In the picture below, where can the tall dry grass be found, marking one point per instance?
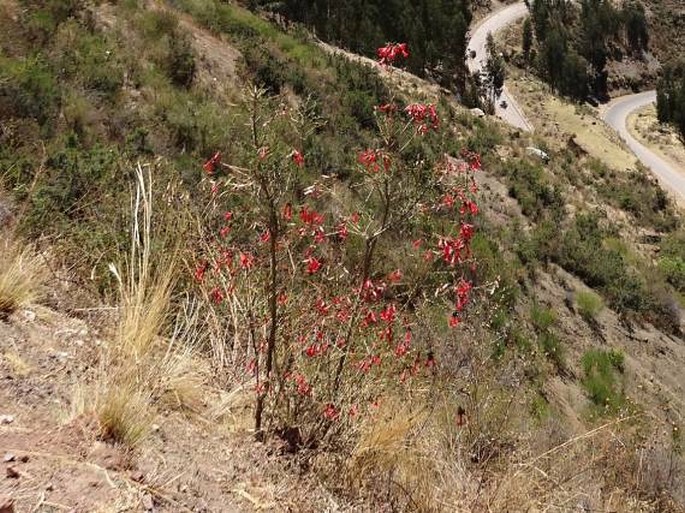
(413, 456)
(22, 273)
(151, 360)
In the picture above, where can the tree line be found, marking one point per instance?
(569, 43)
(670, 96)
(435, 30)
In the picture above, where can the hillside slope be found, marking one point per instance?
(132, 387)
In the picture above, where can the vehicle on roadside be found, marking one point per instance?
(531, 150)
(503, 104)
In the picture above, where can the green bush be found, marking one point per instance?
(601, 380)
(640, 196)
(673, 268)
(542, 318)
(589, 304)
(672, 260)
(89, 60)
(28, 89)
(530, 187)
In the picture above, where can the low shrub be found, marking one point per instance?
(601, 381)
(589, 304)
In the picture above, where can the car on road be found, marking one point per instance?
(542, 155)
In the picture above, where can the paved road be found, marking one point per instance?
(616, 115)
(494, 22)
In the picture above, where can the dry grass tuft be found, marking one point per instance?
(141, 368)
(22, 275)
(408, 451)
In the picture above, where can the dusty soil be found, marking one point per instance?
(54, 461)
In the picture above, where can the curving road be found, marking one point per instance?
(616, 113)
(499, 19)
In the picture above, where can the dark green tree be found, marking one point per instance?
(495, 69)
(670, 99)
(636, 30)
(527, 38)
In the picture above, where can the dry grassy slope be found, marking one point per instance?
(203, 463)
(660, 138)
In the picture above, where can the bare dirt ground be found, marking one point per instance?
(53, 460)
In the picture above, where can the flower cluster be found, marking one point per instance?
(372, 160)
(424, 116)
(390, 52)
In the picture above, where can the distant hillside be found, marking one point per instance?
(666, 28)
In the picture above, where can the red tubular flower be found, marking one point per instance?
(454, 320)
(330, 412)
(303, 388)
(369, 318)
(224, 231)
(472, 158)
(321, 307)
(313, 265)
(200, 271)
(424, 116)
(368, 159)
(287, 212)
(319, 235)
(466, 232)
(463, 290)
(311, 217)
(343, 232)
(389, 313)
(387, 108)
(246, 261)
(469, 206)
(386, 334)
(298, 158)
(401, 349)
(228, 215)
(216, 295)
(212, 163)
(395, 276)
